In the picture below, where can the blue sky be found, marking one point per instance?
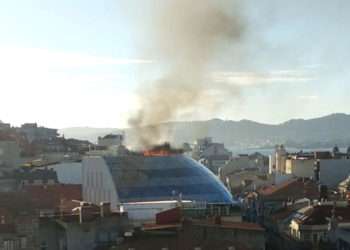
(79, 63)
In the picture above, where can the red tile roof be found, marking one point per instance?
(318, 215)
(15, 202)
(73, 217)
(52, 196)
(231, 225)
(224, 244)
(7, 229)
(282, 214)
(148, 227)
(293, 189)
(242, 225)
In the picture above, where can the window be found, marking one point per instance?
(103, 237)
(43, 245)
(234, 233)
(23, 242)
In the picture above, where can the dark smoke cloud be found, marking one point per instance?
(187, 38)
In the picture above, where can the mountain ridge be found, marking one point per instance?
(326, 130)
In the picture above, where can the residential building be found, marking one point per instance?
(20, 212)
(344, 188)
(331, 167)
(300, 166)
(88, 227)
(9, 155)
(34, 177)
(200, 145)
(180, 232)
(342, 240)
(17, 179)
(245, 161)
(215, 161)
(4, 126)
(247, 180)
(33, 132)
(79, 146)
(274, 197)
(48, 145)
(212, 155)
(314, 224)
(278, 160)
(110, 140)
(53, 199)
(18, 222)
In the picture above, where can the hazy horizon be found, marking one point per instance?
(172, 121)
(199, 120)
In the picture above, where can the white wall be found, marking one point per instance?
(300, 167)
(272, 164)
(146, 212)
(332, 171)
(97, 182)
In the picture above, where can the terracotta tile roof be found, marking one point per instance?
(74, 217)
(269, 190)
(231, 225)
(52, 196)
(4, 212)
(148, 227)
(293, 189)
(7, 229)
(242, 225)
(282, 214)
(16, 202)
(317, 215)
(224, 244)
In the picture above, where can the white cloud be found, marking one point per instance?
(259, 78)
(309, 97)
(37, 58)
(62, 89)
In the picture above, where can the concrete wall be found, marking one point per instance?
(50, 235)
(216, 149)
(9, 154)
(252, 239)
(113, 141)
(60, 235)
(300, 167)
(192, 237)
(37, 133)
(333, 171)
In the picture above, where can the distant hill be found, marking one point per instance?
(86, 133)
(319, 132)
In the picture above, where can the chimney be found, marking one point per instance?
(85, 212)
(105, 209)
(217, 220)
(317, 167)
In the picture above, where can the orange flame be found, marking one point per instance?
(157, 153)
(162, 150)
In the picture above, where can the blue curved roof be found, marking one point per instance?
(157, 178)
